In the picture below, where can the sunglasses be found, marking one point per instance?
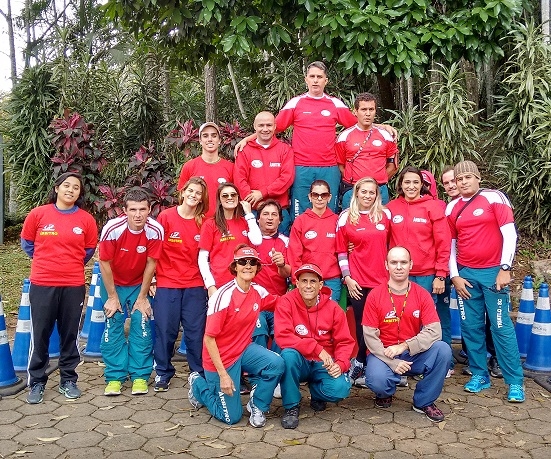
(228, 195)
(320, 195)
(247, 261)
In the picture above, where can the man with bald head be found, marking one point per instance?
(265, 168)
(403, 335)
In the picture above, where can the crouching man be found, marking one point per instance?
(313, 332)
(403, 335)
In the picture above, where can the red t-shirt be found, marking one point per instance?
(221, 246)
(128, 251)
(394, 325)
(367, 261)
(477, 230)
(213, 174)
(177, 267)
(314, 121)
(269, 276)
(60, 243)
(364, 154)
(231, 318)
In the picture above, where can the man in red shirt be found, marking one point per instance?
(129, 248)
(317, 345)
(365, 150)
(266, 168)
(403, 335)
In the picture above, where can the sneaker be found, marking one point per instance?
(192, 399)
(494, 368)
(360, 382)
(450, 373)
(290, 418)
(139, 387)
(477, 383)
(257, 417)
(403, 382)
(161, 386)
(432, 412)
(277, 391)
(516, 393)
(356, 370)
(113, 388)
(244, 387)
(318, 405)
(36, 394)
(462, 357)
(70, 389)
(383, 402)
(466, 371)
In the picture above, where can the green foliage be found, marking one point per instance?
(31, 107)
(522, 127)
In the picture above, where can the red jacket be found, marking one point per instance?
(421, 227)
(310, 330)
(313, 240)
(270, 170)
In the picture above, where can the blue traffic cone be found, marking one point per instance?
(22, 340)
(539, 357)
(182, 350)
(53, 348)
(7, 372)
(454, 313)
(525, 316)
(94, 290)
(97, 326)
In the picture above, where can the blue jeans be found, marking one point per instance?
(265, 369)
(432, 364)
(322, 385)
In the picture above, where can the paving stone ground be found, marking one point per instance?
(164, 425)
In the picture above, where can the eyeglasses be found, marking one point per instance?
(247, 261)
(320, 195)
(228, 195)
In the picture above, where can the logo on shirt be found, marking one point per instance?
(323, 332)
(380, 227)
(258, 324)
(197, 237)
(244, 233)
(141, 249)
(221, 180)
(78, 230)
(419, 220)
(275, 164)
(50, 227)
(330, 235)
(416, 313)
(377, 143)
(478, 212)
(325, 113)
(301, 330)
(48, 230)
(257, 164)
(390, 315)
(311, 234)
(174, 234)
(255, 307)
(397, 219)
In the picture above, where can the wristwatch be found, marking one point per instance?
(441, 278)
(505, 267)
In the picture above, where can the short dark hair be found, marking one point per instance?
(52, 197)
(320, 182)
(364, 97)
(317, 64)
(136, 194)
(270, 202)
(446, 169)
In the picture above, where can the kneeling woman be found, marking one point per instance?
(227, 347)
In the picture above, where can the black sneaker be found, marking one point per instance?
(432, 412)
(70, 389)
(318, 405)
(36, 394)
(161, 386)
(494, 369)
(466, 371)
(290, 418)
(383, 402)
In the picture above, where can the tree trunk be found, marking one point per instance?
(210, 92)
(27, 21)
(410, 92)
(402, 97)
(385, 92)
(471, 84)
(11, 41)
(236, 90)
(489, 87)
(545, 18)
(167, 100)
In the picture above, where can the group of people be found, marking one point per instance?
(252, 263)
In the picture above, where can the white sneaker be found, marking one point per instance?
(356, 370)
(360, 382)
(192, 399)
(277, 391)
(450, 373)
(257, 417)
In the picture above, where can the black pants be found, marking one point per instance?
(49, 304)
(358, 307)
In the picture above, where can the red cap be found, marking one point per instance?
(245, 252)
(309, 268)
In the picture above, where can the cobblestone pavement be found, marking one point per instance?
(163, 425)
